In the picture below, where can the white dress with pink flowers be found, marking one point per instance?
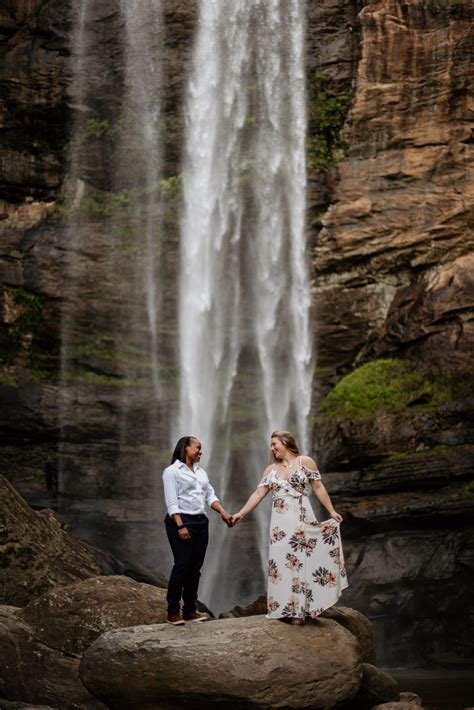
(306, 572)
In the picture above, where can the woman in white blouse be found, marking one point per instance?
(187, 492)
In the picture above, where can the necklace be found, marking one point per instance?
(287, 465)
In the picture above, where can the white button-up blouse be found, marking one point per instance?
(185, 491)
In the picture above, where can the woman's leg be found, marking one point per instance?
(200, 537)
(182, 554)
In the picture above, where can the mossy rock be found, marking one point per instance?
(388, 385)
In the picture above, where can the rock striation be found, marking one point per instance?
(392, 260)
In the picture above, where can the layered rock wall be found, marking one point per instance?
(393, 269)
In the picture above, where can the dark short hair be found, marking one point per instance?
(179, 452)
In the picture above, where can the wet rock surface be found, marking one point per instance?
(249, 662)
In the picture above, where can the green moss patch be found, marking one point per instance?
(386, 385)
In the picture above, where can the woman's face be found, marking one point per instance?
(278, 448)
(193, 450)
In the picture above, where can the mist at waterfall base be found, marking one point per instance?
(187, 298)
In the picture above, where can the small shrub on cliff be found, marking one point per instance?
(327, 112)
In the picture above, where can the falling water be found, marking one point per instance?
(246, 351)
(141, 117)
(111, 384)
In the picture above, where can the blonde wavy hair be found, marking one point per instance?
(288, 440)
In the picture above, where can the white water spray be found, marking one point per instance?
(246, 346)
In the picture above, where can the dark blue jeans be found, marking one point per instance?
(188, 560)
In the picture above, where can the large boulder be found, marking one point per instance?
(32, 672)
(352, 620)
(246, 662)
(41, 645)
(36, 551)
(70, 618)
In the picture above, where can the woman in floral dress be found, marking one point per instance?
(306, 572)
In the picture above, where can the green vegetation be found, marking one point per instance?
(38, 375)
(28, 320)
(385, 385)
(440, 451)
(31, 316)
(92, 378)
(121, 205)
(101, 350)
(6, 378)
(169, 128)
(463, 487)
(96, 127)
(171, 194)
(327, 112)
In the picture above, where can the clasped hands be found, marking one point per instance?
(231, 520)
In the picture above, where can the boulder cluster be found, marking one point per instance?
(73, 639)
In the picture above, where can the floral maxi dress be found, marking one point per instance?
(306, 572)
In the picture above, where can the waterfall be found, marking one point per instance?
(112, 403)
(244, 293)
(141, 119)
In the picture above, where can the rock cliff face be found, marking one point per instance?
(390, 227)
(394, 293)
(393, 260)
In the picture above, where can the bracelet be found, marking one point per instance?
(180, 527)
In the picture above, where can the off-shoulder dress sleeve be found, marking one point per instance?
(265, 481)
(313, 475)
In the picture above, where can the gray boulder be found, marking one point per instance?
(244, 662)
(376, 687)
(41, 645)
(71, 618)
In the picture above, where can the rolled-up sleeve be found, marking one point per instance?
(171, 494)
(210, 494)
